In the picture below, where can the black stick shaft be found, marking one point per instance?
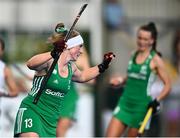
(46, 78)
(75, 21)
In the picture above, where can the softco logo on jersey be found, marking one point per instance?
(51, 92)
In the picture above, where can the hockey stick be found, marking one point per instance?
(46, 78)
(145, 121)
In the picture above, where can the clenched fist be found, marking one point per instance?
(106, 61)
(59, 47)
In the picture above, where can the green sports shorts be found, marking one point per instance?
(129, 113)
(27, 120)
(133, 120)
(69, 110)
(69, 104)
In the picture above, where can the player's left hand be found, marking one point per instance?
(155, 105)
(108, 58)
(106, 61)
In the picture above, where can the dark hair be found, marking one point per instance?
(2, 43)
(175, 51)
(151, 27)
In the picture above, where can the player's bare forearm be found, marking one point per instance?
(167, 86)
(86, 75)
(162, 73)
(11, 83)
(38, 60)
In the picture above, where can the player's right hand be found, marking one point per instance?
(106, 61)
(59, 47)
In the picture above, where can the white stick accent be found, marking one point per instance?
(75, 41)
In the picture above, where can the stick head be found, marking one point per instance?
(82, 9)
